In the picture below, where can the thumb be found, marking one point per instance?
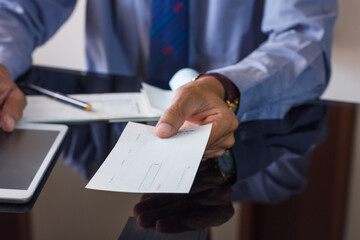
(172, 119)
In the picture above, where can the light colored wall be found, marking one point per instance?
(345, 86)
(345, 83)
(66, 48)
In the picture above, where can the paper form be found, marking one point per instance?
(159, 98)
(147, 105)
(105, 106)
(141, 162)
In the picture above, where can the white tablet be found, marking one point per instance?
(25, 155)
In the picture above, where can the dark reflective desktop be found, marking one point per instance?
(292, 177)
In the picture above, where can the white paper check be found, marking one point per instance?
(141, 162)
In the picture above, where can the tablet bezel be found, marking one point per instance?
(22, 195)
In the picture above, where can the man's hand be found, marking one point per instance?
(201, 102)
(12, 101)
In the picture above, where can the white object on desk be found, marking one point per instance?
(25, 155)
(147, 105)
(117, 107)
(159, 99)
(141, 162)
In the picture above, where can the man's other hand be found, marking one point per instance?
(12, 101)
(199, 103)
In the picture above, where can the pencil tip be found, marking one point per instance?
(88, 107)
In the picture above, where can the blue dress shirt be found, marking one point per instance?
(277, 52)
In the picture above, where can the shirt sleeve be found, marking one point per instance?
(293, 65)
(26, 24)
(272, 157)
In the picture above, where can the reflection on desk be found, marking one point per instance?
(272, 159)
(271, 156)
(208, 204)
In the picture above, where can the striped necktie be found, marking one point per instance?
(168, 40)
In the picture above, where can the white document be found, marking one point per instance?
(159, 99)
(141, 162)
(147, 105)
(105, 106)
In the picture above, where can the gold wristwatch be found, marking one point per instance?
(232, 93)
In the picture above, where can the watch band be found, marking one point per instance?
(232, 93)
(227, 166)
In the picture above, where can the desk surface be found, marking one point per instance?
(298, 165)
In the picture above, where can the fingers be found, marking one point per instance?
(209, 208)
(198, 219)
(170, 122)
(222, 134)
(12, 102)
(218, 148)
(150, 202)
(184, 105)
(201, 103)
(224, 122)
(12, 109)
(208, 204)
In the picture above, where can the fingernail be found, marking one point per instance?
(10, 122)
(164, 128)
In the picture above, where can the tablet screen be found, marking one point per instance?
(21, 154)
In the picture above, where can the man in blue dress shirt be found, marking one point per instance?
(272, 51)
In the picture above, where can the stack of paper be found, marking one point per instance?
(147, 105)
